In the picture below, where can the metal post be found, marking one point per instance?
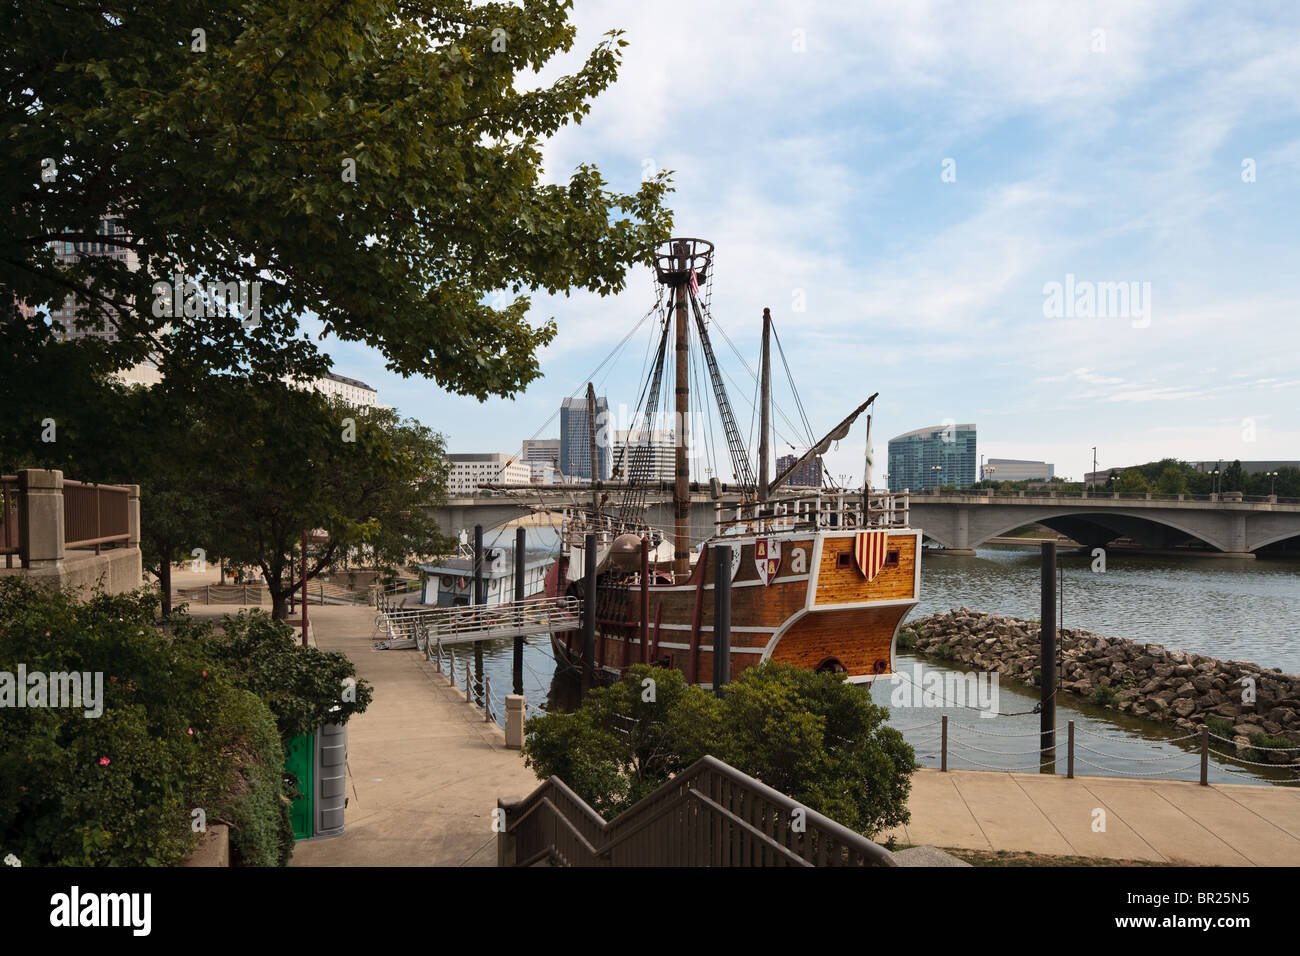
(1205, 756)
(1047, 655)
(304, 587)
(480, 598)
(943, 746)
(589, 610)
(721, 618)
(520, 544)
(645, 600)
(1069, 760)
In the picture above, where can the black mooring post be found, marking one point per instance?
(588, 611)
(520, 543)
(480, 597)
(721, 618)
(1047, 663)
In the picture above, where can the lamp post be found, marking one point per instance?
(1094, 468)
(1214, 482)
(1272, 482)
(938, 477)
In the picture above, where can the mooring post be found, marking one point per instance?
(588, 611)
(943, 746)
(721, 618)
(1047, 663)
(480, 598)
(521, 537)
(1205, 756)
(1069, 760)
(645, 600)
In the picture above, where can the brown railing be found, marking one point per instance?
(94, 515)
(710, 814)
(9, 518)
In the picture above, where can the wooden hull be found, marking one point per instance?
(818, 611)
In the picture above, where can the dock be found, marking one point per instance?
(425, 768)
(1165, 821)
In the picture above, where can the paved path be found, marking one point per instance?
(425, 768)
(1166, 821)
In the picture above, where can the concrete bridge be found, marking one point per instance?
(961, 522)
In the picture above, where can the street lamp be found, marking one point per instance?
(1094, 468)
(1272, 482)
(1214, 481)
(938, 478)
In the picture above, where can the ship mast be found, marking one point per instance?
(682, 486)
(765, 425)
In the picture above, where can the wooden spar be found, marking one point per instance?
(594, 472)
(835, 434)
(645, 600)
(694, 676)
(682, 484)
(765, 415)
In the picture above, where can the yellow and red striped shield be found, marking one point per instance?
(869, 551)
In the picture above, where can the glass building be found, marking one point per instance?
(575, 440)
(931, 457)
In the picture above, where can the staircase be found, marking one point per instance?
(710, 814)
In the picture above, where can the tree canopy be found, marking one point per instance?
(812, 736)
(377, 164)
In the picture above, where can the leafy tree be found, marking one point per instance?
(817, 739)
(1131, 481)
(1233, 478)
(1172, 481)
(376, 164)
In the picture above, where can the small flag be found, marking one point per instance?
(695, 286)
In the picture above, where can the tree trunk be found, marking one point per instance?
(279, 605)
(165, 584)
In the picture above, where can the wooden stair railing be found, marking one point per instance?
(710, 814)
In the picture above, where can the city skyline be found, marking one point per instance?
(1133, 164)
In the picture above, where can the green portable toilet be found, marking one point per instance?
(299, 760)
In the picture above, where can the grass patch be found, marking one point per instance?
(1019, 858)
(1103, 695)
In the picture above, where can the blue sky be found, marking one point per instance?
(808, 142)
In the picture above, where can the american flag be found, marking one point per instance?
(695, 286)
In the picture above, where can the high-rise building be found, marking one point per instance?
(933, 456)
(64, 318)
(659, 459)
(807, 475)
(575, 440)
(469, 471)
(542, 456)
(1017, 469)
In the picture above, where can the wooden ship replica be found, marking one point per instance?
(819, 579)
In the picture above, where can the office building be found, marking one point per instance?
(654, 460)
(807, 475)
(542, 456)
(933, 456)
(1017, 469)
(469, 471)
(575, 440)
(64, 318)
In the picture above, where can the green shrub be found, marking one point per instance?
(816, 738)
(906, 640)
(944, 652)
(1221, 726)
(1104, 695)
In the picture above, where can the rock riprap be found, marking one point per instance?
(1145, 680)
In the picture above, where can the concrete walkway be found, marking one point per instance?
(425, 768)
(1162, 821)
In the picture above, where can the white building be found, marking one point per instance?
(469, 471)
(351, 390)
(661, 460)
(543, 459)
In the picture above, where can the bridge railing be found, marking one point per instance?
(1221, 498)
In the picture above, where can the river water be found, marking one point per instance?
(1229, 609)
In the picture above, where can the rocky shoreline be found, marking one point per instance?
(1144, 680)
